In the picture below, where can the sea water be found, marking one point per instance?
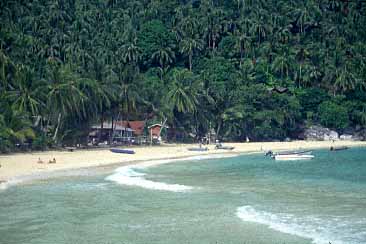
(243, 199)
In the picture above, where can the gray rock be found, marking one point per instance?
(360, 135)
(319, 133)
(346, 137)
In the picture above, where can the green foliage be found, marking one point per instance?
(333, 115)
(41, 142)
(182, 95)
(152, 37)
(65, 65)
(310, 99)
(227, 47)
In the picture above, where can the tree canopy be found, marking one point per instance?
(201, 64)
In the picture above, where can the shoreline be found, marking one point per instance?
(23, 167)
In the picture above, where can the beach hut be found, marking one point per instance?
(120, 131)
(155, 132)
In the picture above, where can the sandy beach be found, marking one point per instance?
(18, 165)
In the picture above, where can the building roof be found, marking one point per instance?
(136, 126)
(108, 125)
(157, 125)
(116, 125)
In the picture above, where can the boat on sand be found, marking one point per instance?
(220, 146)
(120, 150)
(198, 149)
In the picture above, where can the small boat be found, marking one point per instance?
(272, 154)
(287, 157)
(198, 149)
(220, 146)
(291, 155)
(339, 148)
(295, 152)
(119, 150)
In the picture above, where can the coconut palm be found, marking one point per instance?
(164, 56)
(183, 93)
(130, 53)
(189, 46)
(27, 95)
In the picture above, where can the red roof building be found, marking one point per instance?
(155, 130)
(136, 126)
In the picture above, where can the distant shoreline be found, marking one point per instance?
(24, 165)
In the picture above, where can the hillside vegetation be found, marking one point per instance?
(65, 64)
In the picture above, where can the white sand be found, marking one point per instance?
(25, 164)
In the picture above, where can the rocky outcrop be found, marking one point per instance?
(319, 133)
(360, 135)
(346, 137)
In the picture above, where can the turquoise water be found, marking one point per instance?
(244, 199)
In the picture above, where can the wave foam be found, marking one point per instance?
(319, 230)
(5, 185)
(128, 176)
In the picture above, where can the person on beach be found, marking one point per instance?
(40, 161)
(53, 161)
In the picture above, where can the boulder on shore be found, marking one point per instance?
(360, 135)
(346, 137)
(319, 133)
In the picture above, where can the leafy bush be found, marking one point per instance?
(333, 115)
(41, 143)
(310, 99)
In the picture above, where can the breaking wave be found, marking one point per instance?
(5, 185)
(128, 176)
(318, 229)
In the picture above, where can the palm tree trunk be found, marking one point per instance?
(101, 127)
(241, 55)
(218, 129)
(58, 127)
(110, 139)
(300, 76)
(190, 62)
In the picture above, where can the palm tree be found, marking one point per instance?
(130, 53)
(301, 56)
(344, 80)
(64, 94)
(28, 95)
(183, 94)
(164, 56)
(282, 64)
(7, 70)
(243, 43)
(189, 46)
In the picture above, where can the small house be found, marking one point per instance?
(118, 132)
(155, 132)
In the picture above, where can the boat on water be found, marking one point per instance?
(338, 148)
(290, 157)
(120, 150)
(272, 154)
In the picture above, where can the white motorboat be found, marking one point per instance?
(287, 157)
